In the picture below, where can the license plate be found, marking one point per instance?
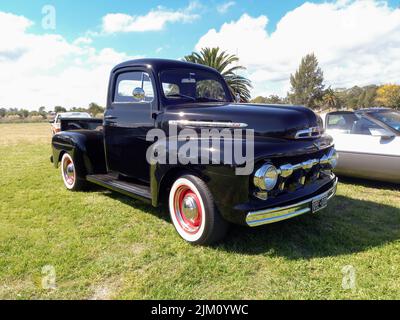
(319, 203)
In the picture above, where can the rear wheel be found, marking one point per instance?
(69, 172)
(193, 211)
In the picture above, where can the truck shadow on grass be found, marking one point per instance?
(347, 226)
(370, 183)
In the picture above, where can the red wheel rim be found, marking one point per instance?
(69, 171)
(187, 209)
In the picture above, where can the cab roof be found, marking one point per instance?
(162, 64)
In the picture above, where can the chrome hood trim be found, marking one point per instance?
(212, 124)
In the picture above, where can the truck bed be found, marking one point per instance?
(68, 124)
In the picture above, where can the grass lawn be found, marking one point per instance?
(106, 246)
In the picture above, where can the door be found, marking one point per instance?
(126, 123)
(365, 149)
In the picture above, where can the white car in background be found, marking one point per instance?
(56, 123)
(368, 142)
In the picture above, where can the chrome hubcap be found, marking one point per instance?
(69, 171)
(189, 208)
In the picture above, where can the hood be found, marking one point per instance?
(279, 121)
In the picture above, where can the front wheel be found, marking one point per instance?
(69, 173)
(193, 211)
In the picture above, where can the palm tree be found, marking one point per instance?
(330, 99)
(222, 62)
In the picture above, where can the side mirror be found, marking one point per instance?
(138, 94)
(383, 133)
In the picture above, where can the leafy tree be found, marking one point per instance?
(307, 83)
(2, 112)
(226, 64)
(59, 109)
(80, 109)
(388, 95)
(42, 111)
(24, 113)
(272, 99)
(95, 109)
(367, 97)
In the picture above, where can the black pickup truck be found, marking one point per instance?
(291, 158)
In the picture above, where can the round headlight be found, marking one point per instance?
(266, 177)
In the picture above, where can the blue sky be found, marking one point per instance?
(76, 17)
(89, 37)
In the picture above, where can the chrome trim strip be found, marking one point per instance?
(208, 124)
(309, 133)
(287, 169)
(266, 216)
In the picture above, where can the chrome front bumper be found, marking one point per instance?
(266, 216)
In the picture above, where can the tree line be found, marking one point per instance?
(307, 85)
(41, 114)
(307, 88)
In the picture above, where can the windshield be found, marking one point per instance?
(191, 85)
(391, 118)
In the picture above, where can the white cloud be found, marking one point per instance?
(356, 42)
(224, 7)
(48, 70)
(155, 20)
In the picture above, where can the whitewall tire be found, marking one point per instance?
(193, 212)
(70, 175)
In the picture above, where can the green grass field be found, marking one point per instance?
(106, 246)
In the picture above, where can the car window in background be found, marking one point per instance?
(364, 126)
(391, 118)
(67, 115)
(342, 122)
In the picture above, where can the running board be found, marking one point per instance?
(127, 188)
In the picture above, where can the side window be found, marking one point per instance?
(129, 81)
(341, 122)
(335, 121)
(364, 126)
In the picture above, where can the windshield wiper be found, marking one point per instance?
(181, 96)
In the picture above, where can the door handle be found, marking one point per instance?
(110, 117)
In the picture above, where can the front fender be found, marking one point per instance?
(226, 186)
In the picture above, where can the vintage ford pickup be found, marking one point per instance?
(292, 157)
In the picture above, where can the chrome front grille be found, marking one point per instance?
(296, 172)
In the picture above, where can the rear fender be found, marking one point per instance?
(85, 147)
